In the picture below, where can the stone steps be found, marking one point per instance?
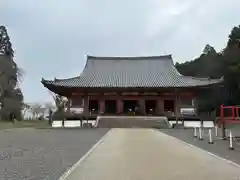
(133, 122)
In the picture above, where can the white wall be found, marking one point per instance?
(206, 124)
(70, 123)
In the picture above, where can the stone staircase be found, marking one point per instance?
(133, 122)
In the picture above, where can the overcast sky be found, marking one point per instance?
(52, 37)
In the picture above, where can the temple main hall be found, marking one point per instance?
(131, 85)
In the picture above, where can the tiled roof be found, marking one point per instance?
(123, 72)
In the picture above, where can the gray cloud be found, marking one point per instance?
(52, 37)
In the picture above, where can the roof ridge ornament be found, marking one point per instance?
(160, 57)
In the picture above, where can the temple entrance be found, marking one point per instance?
(169, 105)
(129, 106)
(93, 106)
(150, 106)
(110, 107)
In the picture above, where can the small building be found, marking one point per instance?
(126, 85)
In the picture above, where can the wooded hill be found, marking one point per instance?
(216, 65)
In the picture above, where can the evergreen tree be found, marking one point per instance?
(11, 97)
(215, 65)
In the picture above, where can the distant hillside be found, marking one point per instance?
(216, 65)
(208, 64)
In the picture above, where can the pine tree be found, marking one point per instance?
(11, 97)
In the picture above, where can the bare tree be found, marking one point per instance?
(50, 108)
(61, 104)
(25, 107)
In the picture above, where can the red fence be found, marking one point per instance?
(233, 118)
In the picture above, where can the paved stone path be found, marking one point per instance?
(144, 154)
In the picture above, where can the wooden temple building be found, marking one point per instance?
(121, 85)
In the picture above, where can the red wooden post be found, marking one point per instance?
(233, 114)
(237, 111)
(221, 113)
(102, 106)
(119, 106)
(222, 121)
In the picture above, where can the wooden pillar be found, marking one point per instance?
(160, 106)
(195, 105)
(102, 106)
(119, 106)
(142, 106)
(86, 106)
(177, 106)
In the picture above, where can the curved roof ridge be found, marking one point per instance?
(160, 57)
(58, 80)
(158, 72)
(204, 78)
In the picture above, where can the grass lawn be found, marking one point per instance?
(24, 124)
